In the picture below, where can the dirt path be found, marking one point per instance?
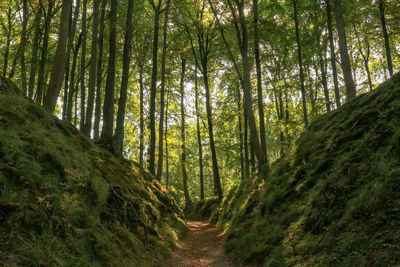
(201, 246)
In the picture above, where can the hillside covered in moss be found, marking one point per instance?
(334, 200)
(65, 201)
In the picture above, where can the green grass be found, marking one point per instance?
(67, 202)
(333, 200)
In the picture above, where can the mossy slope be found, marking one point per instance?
(67, 202)
(334, 200)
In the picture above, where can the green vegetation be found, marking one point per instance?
(333, 200)
(202, 209)
(65, 201)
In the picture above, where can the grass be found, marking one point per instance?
(67, 202)
(333, 200)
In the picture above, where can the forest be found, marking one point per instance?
(249, 113)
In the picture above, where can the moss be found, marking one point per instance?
(333, 199)
(67, 202)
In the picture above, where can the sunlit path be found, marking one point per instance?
(201, 246)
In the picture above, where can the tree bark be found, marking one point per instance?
(162, 93)
(119, 130)
(141, 114)
(344, 54)
(97, 113)
(58, 71)
(35, 49)
(261, 117)
(303, 91)
(196, 88)
(92, 70)
(153, 88)
(72, 80)
(183, 126)
(108, 107)
(23, 45)
(42, 64)
(8, 41)
(83, 69)
(333, 54)
(386, 36)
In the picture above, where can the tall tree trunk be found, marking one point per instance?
(344, 54)
(23, 44)
(57, 73)
(72, 80)
(92, 70)
(42, 64)
(259, 79)
(141, 114)
(217, 180)
(162, 93)
(244, 50)
(183, 126)
(119, 130)
(83, 68)
(333, 54)
(196, 88)
(97, 113)
(246, 147)
(303, 91)
(324, 79)
(71, 36)
(386, 36)
(35, 49)
(153, 88)
(8, 40)
(240, 128)
(166, 145)
(108, 107)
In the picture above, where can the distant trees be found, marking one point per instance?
(256, 73)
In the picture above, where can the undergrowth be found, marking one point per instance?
(333, 200)
(67, 202)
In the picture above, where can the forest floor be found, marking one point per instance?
(201, 246)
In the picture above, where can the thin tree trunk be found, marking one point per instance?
(246, 148)
(183, 126)
(141, 114)
(57, 73)
(386, 36)
(23, 45)
(108, 107)
(333, 54)
(166, 145)
(153, 88)
(240, 128)
(92, 70)
(259, 79)
(119, 130)
(72, 79)
(8, 41)
(97, 113)
(217, 181)
(303, 91)
(196, 88)
(83, 69)
(35, 49)
(324, 80)
(162, 93)
(344, 54)
(42, 65)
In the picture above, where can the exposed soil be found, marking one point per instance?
(201, 246)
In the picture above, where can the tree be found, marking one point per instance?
(92, 70)
(153, 87)
(83, 68)
(385, 36)
(162, 93)
(183, 127)
(58, 71)
(344, 54)
(119, 130)
(108, 107)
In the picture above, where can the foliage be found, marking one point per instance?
(332, 200)
(65, 201)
